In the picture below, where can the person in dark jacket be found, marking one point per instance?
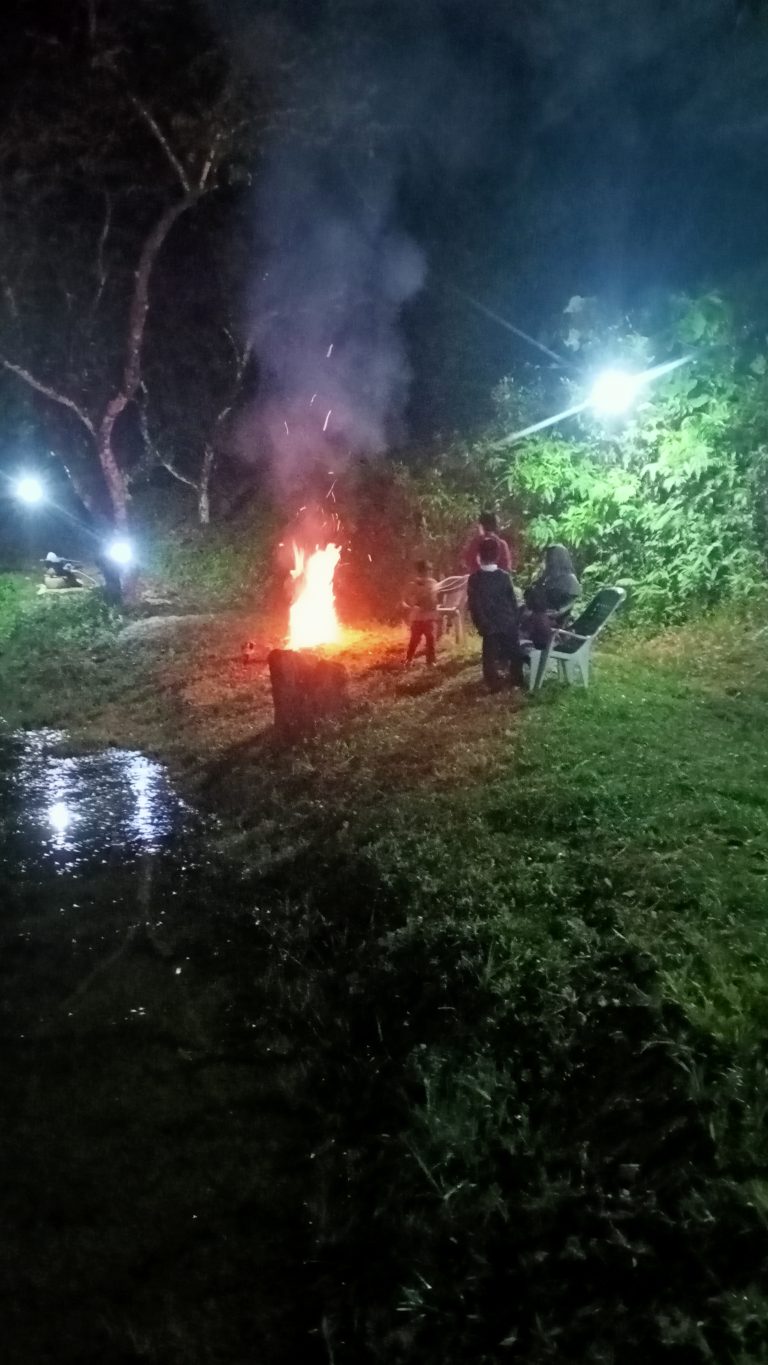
(557, 586)
(495, 613)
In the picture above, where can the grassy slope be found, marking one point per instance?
(513, 956)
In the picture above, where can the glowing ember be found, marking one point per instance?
(313, 620)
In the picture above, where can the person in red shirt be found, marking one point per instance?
(487, 529)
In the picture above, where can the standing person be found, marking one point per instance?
(495, 613)
(422, 610)
(487, 528)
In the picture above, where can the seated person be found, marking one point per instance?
(557, 586)
(495, 613)
(59, 573)
(550, 596)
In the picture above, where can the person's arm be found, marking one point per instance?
(472, 602)
(509, 593)
(469, 554)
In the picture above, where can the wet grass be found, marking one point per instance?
(469, 1059)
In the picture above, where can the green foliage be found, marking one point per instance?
(17, 593)
(670, 503)
(216, 566)
(394, 514)
(48, 625)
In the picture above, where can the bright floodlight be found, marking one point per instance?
(614, 391)
(120, 551)
(29, 489)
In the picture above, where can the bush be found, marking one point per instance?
(17, 594)
(216, 566)
(395, 514)
(671, 503)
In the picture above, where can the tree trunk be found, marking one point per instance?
(204, 489)
(114, 478)
(305, 690)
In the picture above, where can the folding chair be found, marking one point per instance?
(451, 602)
(570, 649)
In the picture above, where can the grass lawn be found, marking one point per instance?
(511, 957)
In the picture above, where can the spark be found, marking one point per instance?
(327, 419)
(329, 352)
(287, 432)
(330, 493)
(312, 399)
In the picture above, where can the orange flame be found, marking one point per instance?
(313, 620)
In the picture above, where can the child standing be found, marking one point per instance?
(423, 614)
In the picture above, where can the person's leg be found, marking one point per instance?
(514, 656)
(491, 661)
(429, 640)
(413, 643)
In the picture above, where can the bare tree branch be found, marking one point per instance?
(140, 299)
(151, 450)
(92, 22)
(148, 117)
(56, 397)
(101, 269)
(209, 162)
(177, 474)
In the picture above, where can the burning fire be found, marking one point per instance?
(313, 620)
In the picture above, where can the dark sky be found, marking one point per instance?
(625, 156)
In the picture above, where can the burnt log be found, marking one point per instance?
(305, 690)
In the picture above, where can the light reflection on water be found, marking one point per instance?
(65, 809)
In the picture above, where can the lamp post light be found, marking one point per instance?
(614, 392)
(121, 552)
(29, 489)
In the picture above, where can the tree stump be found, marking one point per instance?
(305, 690)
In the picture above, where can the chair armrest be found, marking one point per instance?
(569, 635)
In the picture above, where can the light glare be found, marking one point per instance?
(120, 551)
(59, 816)
(29, 489)
(614, 391)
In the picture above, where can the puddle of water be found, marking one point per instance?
(128, 1077)
(61, 813)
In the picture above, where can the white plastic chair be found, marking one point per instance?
(451, 602)
(570, 650)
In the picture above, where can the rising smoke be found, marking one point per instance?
(335, 274)
(372, 91)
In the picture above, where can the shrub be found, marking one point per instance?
(671, 503)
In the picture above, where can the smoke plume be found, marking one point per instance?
(335, 273)
(376, 95)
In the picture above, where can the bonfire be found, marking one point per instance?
(313, 620)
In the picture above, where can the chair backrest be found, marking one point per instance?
(452, 592)
(597, 612)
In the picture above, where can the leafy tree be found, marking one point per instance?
(671, 502)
